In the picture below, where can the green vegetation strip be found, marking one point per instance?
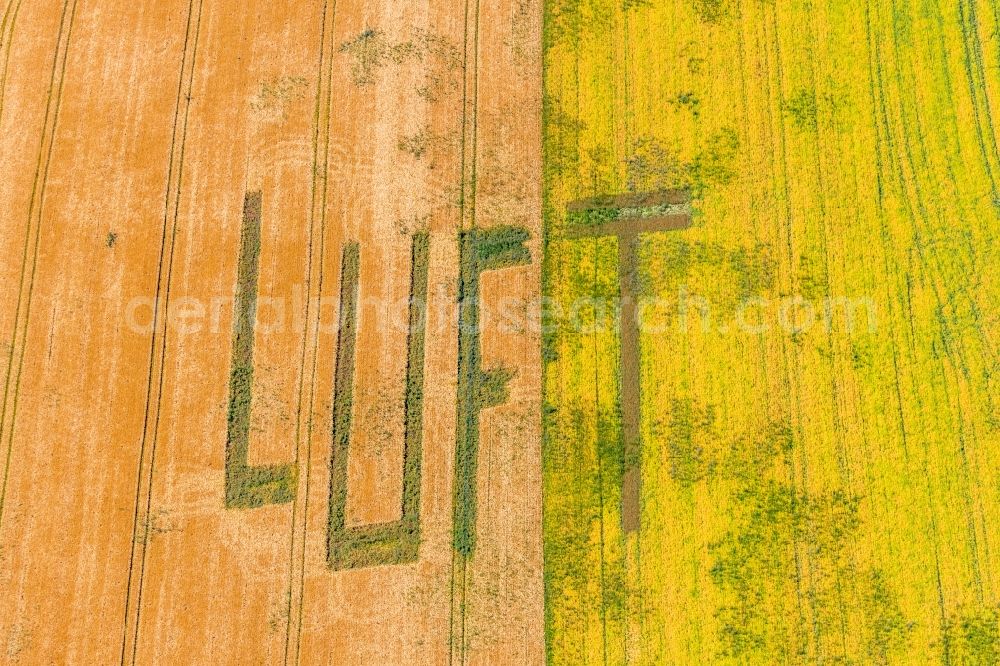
(597, 216)
(481, 250)
(395, 542)
(249, 486)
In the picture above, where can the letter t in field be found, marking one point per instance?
(627, 216)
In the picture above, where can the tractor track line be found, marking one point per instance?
(47, 141)
(155, 374)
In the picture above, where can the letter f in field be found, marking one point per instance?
(481, 250)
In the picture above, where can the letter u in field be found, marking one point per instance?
(387, 543)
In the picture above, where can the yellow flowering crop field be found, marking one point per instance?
(817, 374)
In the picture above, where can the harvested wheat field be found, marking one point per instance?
(227, 437)
(534, 331)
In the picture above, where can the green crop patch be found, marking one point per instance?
(481, 250)
(395, 542)
(249, 486)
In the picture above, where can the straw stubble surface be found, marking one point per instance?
(131, 138)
